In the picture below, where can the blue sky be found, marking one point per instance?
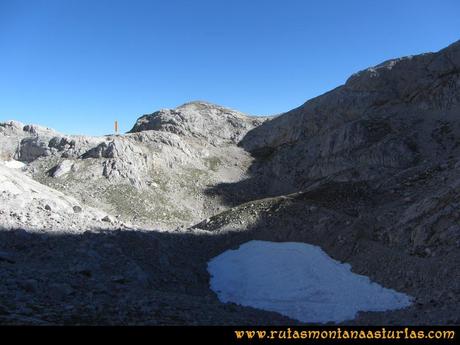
(76, 65)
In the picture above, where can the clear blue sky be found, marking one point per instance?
(76, 65)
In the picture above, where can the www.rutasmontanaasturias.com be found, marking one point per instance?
(341, 333)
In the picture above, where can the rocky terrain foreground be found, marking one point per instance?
(119, 229)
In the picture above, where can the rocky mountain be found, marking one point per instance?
(384, 119)
(215, 124)
(154, 176)
(369, 171)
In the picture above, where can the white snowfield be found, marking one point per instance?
(297, 280)
(13, 164)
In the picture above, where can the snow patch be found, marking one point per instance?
(297, 280)
(13, 164)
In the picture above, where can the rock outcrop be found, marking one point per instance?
(384, 119)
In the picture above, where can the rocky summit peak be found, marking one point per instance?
(200, 119)
(198, 104)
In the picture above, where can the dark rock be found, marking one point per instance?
(7, 257)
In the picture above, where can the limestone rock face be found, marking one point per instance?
(383, 119)
(32, 148)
